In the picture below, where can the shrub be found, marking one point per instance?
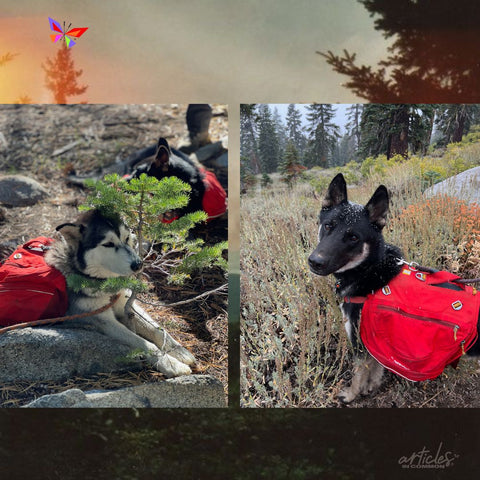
(441, 232)
(291, 331)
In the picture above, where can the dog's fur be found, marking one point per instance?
(97, 247)
(159, 161)
(167, 162)
(352, 248)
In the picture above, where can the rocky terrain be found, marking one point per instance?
(46, 143)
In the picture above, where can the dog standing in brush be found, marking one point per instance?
(96, 248)
(371, 278)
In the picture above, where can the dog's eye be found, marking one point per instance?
(327, 226)
(108, 245)
(353, 238)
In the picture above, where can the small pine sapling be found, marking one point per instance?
(166, 247)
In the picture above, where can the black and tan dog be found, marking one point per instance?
(352, 248)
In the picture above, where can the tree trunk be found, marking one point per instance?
(398, 141)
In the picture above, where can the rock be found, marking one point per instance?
(20, 191)
(192, 391)
(464, 186)
(56, 353)
(67, 399)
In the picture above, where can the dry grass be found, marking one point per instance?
(292, 335)
(294, 349)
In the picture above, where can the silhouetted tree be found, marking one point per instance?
(433, 58)
(61, 76)
(23, 99)
(8, 57)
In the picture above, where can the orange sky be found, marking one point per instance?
(29, 37)
(178, 51)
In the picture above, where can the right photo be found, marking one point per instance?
(360, 255)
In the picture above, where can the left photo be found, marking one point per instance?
(113, 255)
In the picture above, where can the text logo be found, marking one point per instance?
(426, 459)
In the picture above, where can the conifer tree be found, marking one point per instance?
(266, 180)
(323, 135)
(394, 129)
(354, 116)
(290, 168)
(141, 202)
(455, 120)
(249, 161)
(433, 57)
(61, 76)
(7, 57)
(294, 127)
(268, 146)
(279, 131)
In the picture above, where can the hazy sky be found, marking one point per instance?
(339, 119)
(167, 51)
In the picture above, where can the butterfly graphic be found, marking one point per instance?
(65, 33)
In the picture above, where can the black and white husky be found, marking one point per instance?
(352, 248)
(98, 248)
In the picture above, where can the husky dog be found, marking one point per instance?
(352, 248)
(97, 248)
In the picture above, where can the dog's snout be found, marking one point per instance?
(316, 261)
(136, 265)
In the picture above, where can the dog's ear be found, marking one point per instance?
(337, 192)
(72, 232)
(162, 155)
(377, 207)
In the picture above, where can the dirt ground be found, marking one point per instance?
(454, 388)
(47, 141)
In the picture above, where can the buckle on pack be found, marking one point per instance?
(457, 305)
(412, 265)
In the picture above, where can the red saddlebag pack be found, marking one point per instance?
(29, 288)
(417, 324)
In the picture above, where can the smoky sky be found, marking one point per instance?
(212, 50)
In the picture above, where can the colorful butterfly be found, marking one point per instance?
(65, 33)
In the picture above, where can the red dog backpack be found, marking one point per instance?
(215, 198)
(416, 326)
(29, 288)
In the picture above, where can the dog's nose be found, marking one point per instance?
(316, 261)
(136, 265)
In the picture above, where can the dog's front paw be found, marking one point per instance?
(347, 395)
(182, 355)
(170, 366)
(166, 343)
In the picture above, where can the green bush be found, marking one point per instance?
(141, 203)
